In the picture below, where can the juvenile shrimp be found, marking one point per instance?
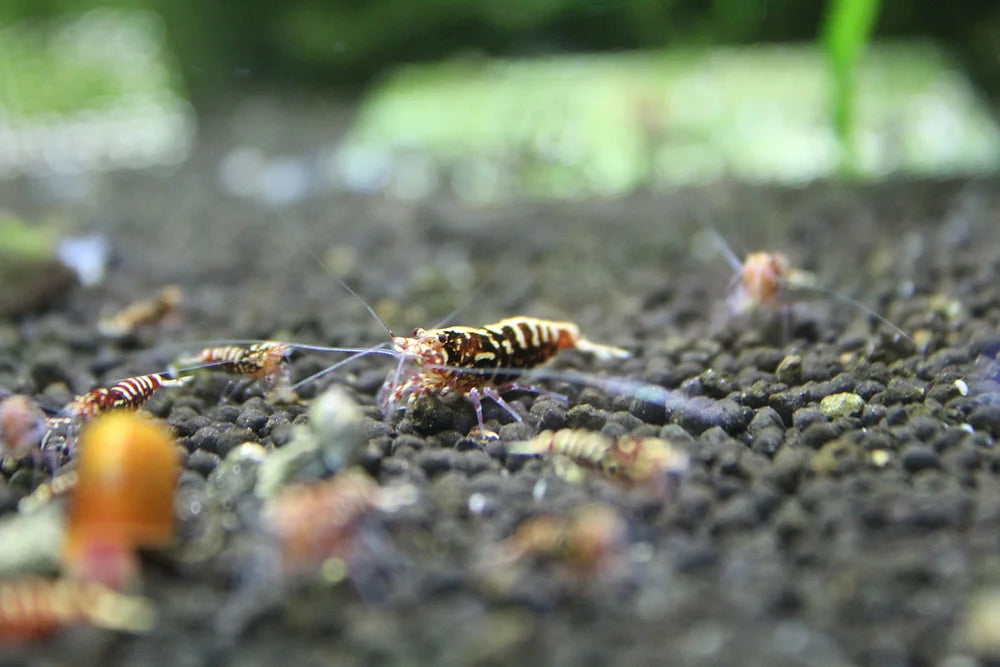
(266, 361)
(313, 522)
(22, 426)
(129, 394)
(632, 459)
(761, 279)
(584, 542)
(163, 305)
(33, 608)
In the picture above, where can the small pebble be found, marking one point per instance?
(986, 418)
(789, 370)
(919, 457)
(203, 461)
(842, 405)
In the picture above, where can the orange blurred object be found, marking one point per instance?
(761, 276)
(22, 426)
(128, 469)
(316, 521)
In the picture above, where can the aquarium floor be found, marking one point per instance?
(794, 538)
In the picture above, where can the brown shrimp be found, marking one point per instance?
(584, 541)
(22, 426)
(162, 306)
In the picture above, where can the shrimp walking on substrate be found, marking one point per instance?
(469, 361)
(761, 280)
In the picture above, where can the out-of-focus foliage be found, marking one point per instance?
(586, 125)
(348, 41)
(89, 92)
(846, 33)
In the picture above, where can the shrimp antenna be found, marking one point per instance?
(723, 247)
(347, 287)
(330, 369)
(330, 272)
(856, 304)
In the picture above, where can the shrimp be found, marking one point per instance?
(129, 394)
(438, 361)
(32, 608)
(22, 426)
(314, 522)
(632, 459)
(161, 307)
(266, 361)
(762, 278)
(584, 542)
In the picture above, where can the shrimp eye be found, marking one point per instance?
(442, 338)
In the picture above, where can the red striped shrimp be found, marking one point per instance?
(33, 608)
(128, 394)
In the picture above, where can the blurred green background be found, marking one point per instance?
(504, 100)
(348, 42)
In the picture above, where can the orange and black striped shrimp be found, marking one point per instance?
(470, 361)
(632, 459)
(761, 279)
(128, 394)
(482, 361)
(33, 608)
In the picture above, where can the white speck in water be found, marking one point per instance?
(87, 255)
(240, 171)
(962, 387)
(477, 503)
(642, 552)
(538, 492)
(284, 181)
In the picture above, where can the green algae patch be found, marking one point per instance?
(579, 126)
